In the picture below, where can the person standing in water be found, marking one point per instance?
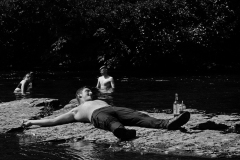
(24, 86)
(105, 83)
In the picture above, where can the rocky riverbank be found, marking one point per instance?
(205, 135)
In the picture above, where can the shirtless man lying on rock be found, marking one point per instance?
(106, 117)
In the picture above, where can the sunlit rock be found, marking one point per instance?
(12, 113)
(205, 135)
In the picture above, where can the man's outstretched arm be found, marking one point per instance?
(62, 119)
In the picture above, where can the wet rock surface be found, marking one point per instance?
(205, 135)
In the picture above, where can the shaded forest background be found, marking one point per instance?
(164, 35)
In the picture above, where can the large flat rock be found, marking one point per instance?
(205, 135)
(12, 113)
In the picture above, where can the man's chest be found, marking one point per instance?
(105, 80)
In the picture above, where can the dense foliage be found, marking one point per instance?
(183, 34)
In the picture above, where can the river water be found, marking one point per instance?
(210, 93)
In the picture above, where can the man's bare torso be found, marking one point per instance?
(83, 112)
(105, 83)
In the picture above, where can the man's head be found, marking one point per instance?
(27, 76)
(83, 94)
(103, 70)
(31, 74)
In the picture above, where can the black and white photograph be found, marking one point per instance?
(119, 79)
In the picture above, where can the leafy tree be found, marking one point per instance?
(165, 32)
(120, 33)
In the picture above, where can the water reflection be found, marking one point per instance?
(87, 150)
(108, 97)
(30, 148)
(19, 95)
(28, 139)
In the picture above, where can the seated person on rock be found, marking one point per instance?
(25, 85)
(105, 83)
(106, 117)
